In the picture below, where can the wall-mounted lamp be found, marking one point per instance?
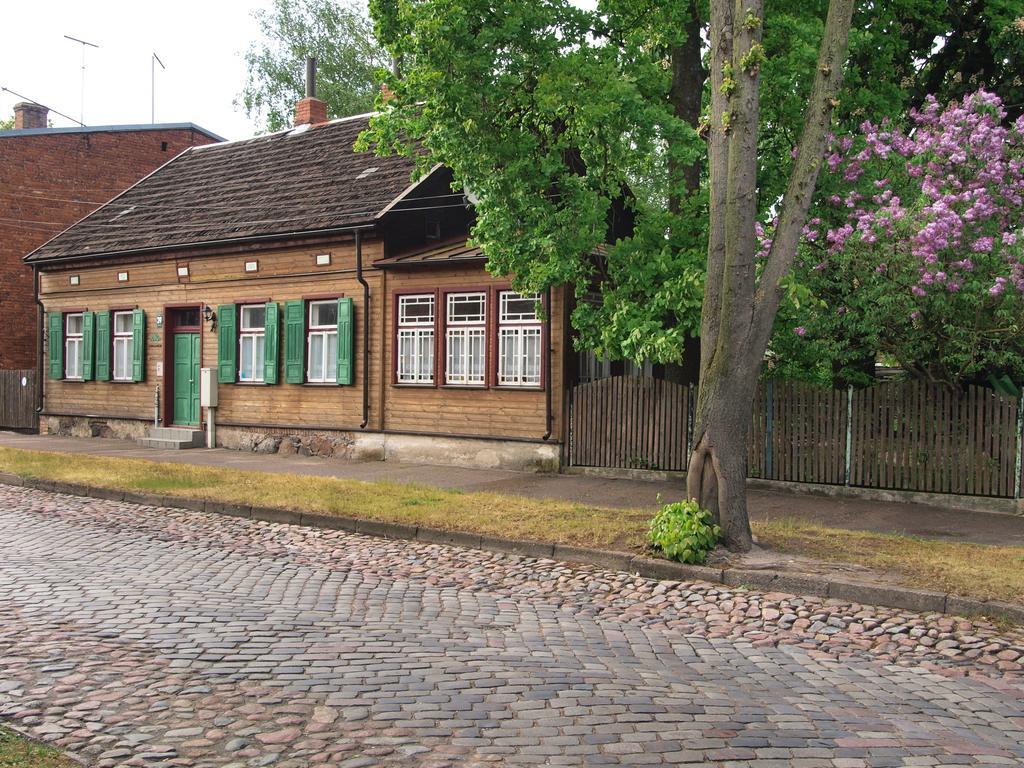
(210, 316)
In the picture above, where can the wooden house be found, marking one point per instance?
(338, 302)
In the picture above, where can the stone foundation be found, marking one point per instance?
(350, 446)
(370, 446)
(82, 426)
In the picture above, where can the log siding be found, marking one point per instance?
(291, 274)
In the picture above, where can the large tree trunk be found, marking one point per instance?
(739, 310)
(717, 472)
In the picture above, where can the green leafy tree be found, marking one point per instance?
(340, 36)
(7, 125)
(549, 112)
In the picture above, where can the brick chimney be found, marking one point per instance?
(310, 110)
(28, 114)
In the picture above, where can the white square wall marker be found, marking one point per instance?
(323, 259)
(182, 271)
(122, 277)
(252, 266)
(75, 280)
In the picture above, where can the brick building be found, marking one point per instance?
(52, 177)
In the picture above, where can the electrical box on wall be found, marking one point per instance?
(208, 387)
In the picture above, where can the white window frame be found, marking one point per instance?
(416, 367)
(329, 334)
(466, 333)
(258, 341)
(516, 328)
(75, 341)
(124, 339)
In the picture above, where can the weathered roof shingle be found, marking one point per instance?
(299, 181)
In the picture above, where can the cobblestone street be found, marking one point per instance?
(146, 636)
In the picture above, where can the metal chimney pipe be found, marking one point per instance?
(311, 77)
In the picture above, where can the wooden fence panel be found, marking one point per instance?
(798, 434)
(918, 437)
(629, 422)
(17, 399)
(903, 435)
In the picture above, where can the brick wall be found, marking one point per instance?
(50, 181)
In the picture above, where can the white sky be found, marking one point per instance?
(200, 42)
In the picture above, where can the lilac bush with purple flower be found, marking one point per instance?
(916, 251)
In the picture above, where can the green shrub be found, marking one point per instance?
(684, 532)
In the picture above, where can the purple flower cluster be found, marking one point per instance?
(951, 187)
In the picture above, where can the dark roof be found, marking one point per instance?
(438, 255)
(110, 129)
(301, 181)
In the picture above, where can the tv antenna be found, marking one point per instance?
(83, 43)
(154, 60)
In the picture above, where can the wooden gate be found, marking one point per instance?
(629, 422)
(17, 399)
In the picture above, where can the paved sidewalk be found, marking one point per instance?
(143, 636)
(853, 514)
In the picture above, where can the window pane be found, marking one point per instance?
(323, 314)
(531, 356)
(122, 322)
(186, 317)
(258, 346)
(404, 355)
(74, 324)
(316, 357)
(466, 308)
(456, 370)
(122, 357)
(246, 355)
(331, 347)
(416, 310)
(426, 356)
(477, 354)
(253, 318)
(518, 307)
(73, 361)
(507, 357)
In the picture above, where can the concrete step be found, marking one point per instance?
(175, 433)
(174, 438)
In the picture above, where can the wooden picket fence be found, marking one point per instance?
(17, 399)
(898, 435)
(630, 422)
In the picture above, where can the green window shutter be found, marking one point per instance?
(88, 344)
(56, 345)
(294, 341)
(227, 344)
(138, 345)
(345, 339)
(271, 334)
(103, 346)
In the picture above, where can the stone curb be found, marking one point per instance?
(916, 600)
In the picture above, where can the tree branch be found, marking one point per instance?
(810, 153)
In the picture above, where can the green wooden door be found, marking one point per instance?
(186, 379)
